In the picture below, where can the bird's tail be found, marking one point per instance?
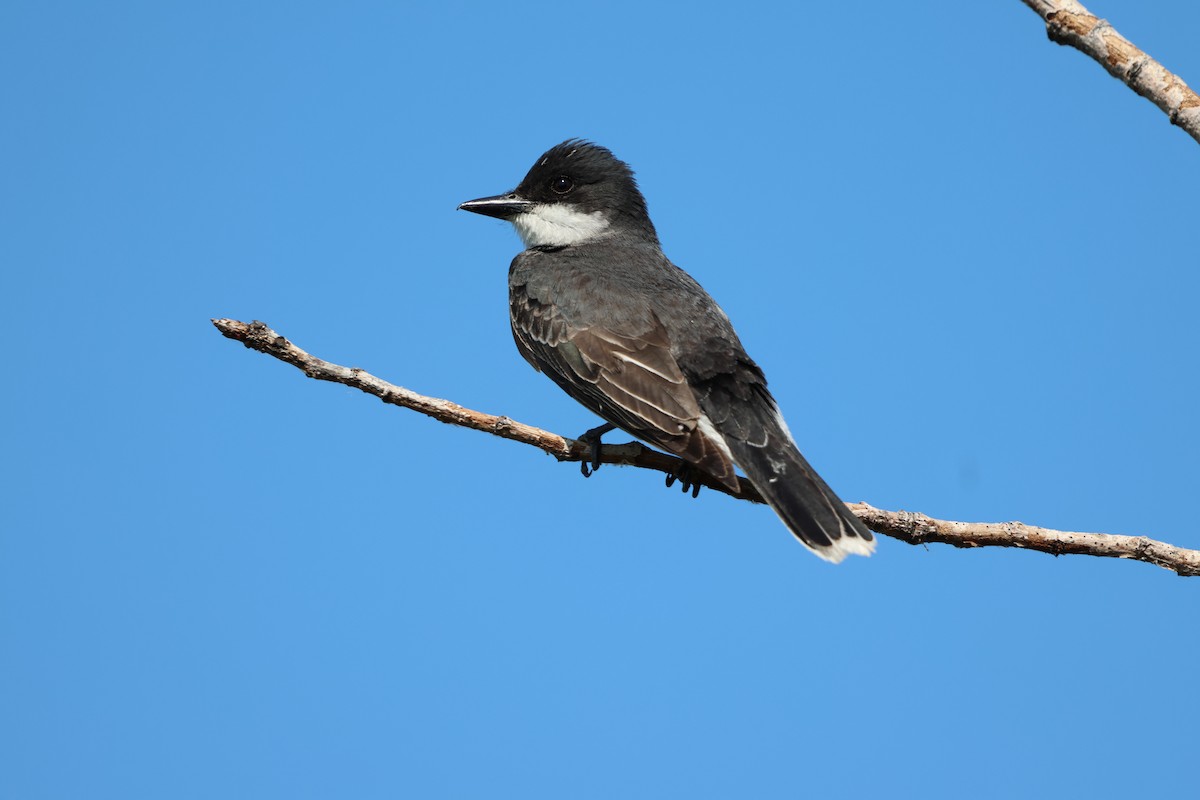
(805, 503)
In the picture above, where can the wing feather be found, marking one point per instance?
(627, 377)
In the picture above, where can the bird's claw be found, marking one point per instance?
(687, 477)
(592, 438)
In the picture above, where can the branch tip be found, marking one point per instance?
(1068, 23)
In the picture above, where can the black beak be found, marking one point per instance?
(501, 206)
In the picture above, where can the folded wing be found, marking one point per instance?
(628, 377)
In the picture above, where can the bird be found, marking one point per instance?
(598, 308)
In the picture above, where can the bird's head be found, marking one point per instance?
(575, 192)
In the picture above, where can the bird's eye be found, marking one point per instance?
(562, 184)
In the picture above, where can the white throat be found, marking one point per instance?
(557, 225)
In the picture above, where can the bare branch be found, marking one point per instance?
(1069, 23)
(914, 528)
(903, 525)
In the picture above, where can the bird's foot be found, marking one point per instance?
(688, 477)
(592, 439)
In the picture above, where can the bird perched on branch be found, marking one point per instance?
(598, 308)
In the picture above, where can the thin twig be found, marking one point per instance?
(903, 525)
(1069, 23)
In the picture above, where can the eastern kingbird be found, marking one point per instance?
(598, 308)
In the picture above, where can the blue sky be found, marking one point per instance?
(965, 257)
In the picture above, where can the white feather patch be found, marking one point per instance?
(557, 225)
(710, 432)
(847, 545)
(783, 426)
